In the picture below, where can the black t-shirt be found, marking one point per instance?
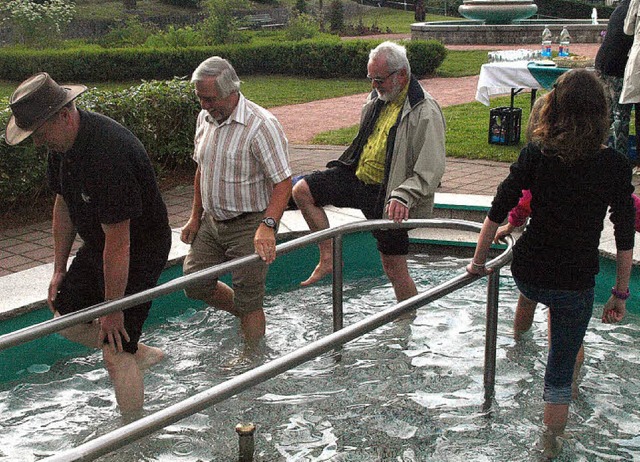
(613, 53)
(559, 247)
(105, 178)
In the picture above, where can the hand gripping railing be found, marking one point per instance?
(147, 425)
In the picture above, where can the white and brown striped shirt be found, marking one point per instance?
(240, 160)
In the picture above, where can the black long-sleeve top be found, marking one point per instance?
(559, 248)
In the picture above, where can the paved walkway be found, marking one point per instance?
(29, 246)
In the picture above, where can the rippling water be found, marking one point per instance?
(409, 391)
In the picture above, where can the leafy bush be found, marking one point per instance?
(425, 56)
(302, 26)
(37, 24)
(176, 38)
(161, 114)
(128, 34)
(301, 6)
(221, 26)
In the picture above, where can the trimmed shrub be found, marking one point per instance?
(317, 58)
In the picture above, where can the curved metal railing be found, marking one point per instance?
(135, 430)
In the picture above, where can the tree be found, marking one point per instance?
(336, 16)
(419, 11)
(221, 26)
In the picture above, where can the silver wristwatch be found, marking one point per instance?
(270, 222)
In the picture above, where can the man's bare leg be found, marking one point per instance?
(222, 298)
(253, 326)
(126, 378)
(396, 269)
(317, 220)
(87, 334)
(147, 356)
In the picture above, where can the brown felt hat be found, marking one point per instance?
(34, 102)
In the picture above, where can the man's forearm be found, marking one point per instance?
(279, 199)
(196, 208)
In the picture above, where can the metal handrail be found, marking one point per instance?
(147, 425)
(89, 314)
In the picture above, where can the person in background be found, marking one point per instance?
(573, 181)
(106, 192)
(392, 168)
(241, 188)
(610, 63)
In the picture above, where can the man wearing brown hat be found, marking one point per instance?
(106, 193)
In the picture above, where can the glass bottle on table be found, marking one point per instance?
(546, 43)
(564, 43)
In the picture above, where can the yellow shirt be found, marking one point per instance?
(371, 164)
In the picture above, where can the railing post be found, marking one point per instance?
(491, 335)
(338, 321)
(245, 442)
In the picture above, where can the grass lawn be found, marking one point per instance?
(396, 21)
(467, 131)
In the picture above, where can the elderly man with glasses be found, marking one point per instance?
(391, 169)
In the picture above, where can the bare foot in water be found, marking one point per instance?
(320, 272)
(147, 356)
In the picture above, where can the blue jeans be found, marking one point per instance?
(570, 312)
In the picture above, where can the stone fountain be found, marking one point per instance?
(498, 11)
(504, 22)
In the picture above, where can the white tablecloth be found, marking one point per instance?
(499, 78)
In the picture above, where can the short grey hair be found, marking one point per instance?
(395, 56)
(219, 68)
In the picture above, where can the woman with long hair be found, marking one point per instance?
(574, 179)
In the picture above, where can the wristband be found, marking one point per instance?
(477, 265)
(620, 295)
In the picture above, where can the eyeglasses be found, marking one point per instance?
(381, 80)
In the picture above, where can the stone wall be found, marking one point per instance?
(476, 33)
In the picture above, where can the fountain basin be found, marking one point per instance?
(502, 12)
(524, 31)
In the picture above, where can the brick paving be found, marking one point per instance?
(29, 246)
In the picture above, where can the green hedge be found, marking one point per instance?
(163, 113)
(323, 59)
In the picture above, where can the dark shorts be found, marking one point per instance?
(339, 186)
(83, 286)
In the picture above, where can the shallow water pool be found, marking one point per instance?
(409, 391)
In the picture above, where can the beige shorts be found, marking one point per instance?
(221, 241)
